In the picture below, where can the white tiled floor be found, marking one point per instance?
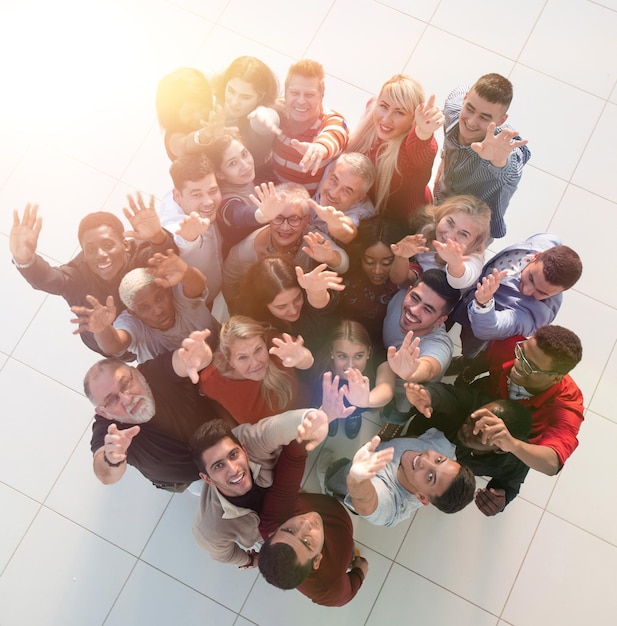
(78, 132)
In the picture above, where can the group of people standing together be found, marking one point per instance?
(340, 273)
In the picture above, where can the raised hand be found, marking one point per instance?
(319, 248)
(497, 148)
(264, 119)
(490, 501)
(291, 351)
(193, 226)
(409, 246)
(368, 461)
(314, 154)
(487, 287)
(24, 235)
(117, 442)
(313, 429)
(452, 252)
(269, 201)
(333, 398)
(319, 279)
(168, 269)
(406, 360)
(358, 387)
(144, 219)
(428, 118)
(96, 319)
(419, 397)
(492, 430)
(195, 354)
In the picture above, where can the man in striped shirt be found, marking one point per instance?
(310, 135)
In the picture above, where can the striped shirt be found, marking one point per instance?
(462, 171)
(330, 131)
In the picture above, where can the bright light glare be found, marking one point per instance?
(66, 60)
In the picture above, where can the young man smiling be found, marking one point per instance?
(481, 156)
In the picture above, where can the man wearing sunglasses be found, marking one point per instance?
(534, 372)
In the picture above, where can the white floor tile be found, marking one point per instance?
(105, 509)
(542, 120)
(47, 422)
(422, 9)
(567, 579)
(461, 19)
(593, 173)
(61, 574)
(173, 550)
(150, 598)
(581, 496)
(14, 525)
(476, 540)
(582, 48)
(602, 402)
(409, 596)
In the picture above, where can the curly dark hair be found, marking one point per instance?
(561, 345)
(279, 565)
(562, 266)
(459, 494)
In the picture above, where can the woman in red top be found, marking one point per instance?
(252, 373)
(396, 133)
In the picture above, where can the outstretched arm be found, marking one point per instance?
(25, 235)
(366, 463)
(194, 355)
(497, 148)
(316, 284)
(340, 226)
(292, 352)
(109, 461)
(144, 220)
(169, 269)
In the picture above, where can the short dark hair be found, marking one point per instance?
(562, 266)
(100, 218)
(308, 69)
(515, 416)
(190, 168)
(279, 565)
(495, 88)
(459, 494)
(438, 282)
(208, 435)
(561, 345)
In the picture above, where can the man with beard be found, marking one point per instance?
(146, 415)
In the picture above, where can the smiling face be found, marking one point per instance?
(341, 188)
(346, 354)
(154, 306)
(377, 262)
(105, 252)
(202, 196)
(426, 474)
(287, 305)
(248, 359)
(458, 226)
(240, 98)
(237, 165)
(422, 310)
(285, 234)
(391, 120)
(303, 97)
(227, 468)
(533, 284)
(305, 534)
(122, 394)
(476, 114)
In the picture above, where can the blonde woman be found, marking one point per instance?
(454, 240)
(252, 373)
(396, 133)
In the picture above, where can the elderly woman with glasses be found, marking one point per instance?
(286, 235)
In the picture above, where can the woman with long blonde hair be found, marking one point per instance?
(252, 373)
(396, 133)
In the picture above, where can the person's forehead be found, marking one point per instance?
(98, 234)
(244, 346)
(106, 378)
(535, 355)
(209, 180)
(482, 105)
(446, 473)
(426, 294)
(148, 292)
(219, 450)
(286, 296)
(305, 83)
(292, 209)
(346, 175)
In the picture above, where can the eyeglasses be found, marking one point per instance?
(527, 367)
(114, 400)
(293, 221)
